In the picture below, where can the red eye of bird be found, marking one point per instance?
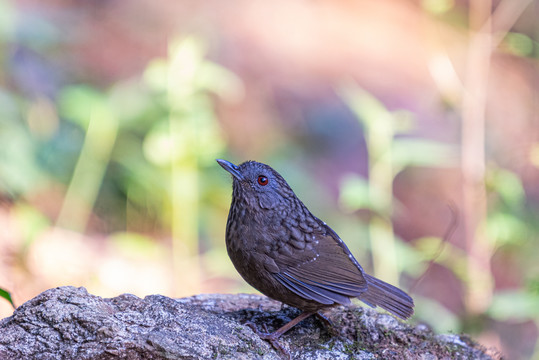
(262, 180)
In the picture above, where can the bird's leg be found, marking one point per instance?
(274, 336)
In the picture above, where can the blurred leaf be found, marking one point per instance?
(76, 103)
(429, 246)
(155, 75)
(514, 305)
(518, 44)
(508, 185)
(410, 260)
(506, 228)
(129, 100)
(355, 194)
(224, 83)
(367, 108)
(19, 171)
(419, 152)
(373, 113)
(185, 58)
(210, 144)
(158, 145)
(444, 253)
(6, 295)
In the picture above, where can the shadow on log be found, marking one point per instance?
(69, 323)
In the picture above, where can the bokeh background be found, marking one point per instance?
(410, 126)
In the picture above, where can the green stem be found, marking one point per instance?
(89, 170)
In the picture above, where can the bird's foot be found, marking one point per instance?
(328, 324)
(324, 319)
(271, 337)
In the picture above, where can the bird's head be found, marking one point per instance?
(258, 184)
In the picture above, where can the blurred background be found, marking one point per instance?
(410, 126)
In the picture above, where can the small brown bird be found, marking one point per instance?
(290, 255)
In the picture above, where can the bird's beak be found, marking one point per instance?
(231, 168)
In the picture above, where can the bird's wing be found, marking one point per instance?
(323, 270)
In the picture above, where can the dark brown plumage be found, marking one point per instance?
(289, 255)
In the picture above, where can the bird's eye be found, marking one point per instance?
(262, 180)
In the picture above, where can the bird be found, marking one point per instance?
(281, 249)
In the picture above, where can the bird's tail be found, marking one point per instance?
(388, 297)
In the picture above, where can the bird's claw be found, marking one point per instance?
(328, 324)
(324, 319)
(271, 337)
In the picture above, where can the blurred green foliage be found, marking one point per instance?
(141, 134)
(509, 222)
(389, 153)
(143, 150)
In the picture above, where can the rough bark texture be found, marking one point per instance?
(69, 323)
